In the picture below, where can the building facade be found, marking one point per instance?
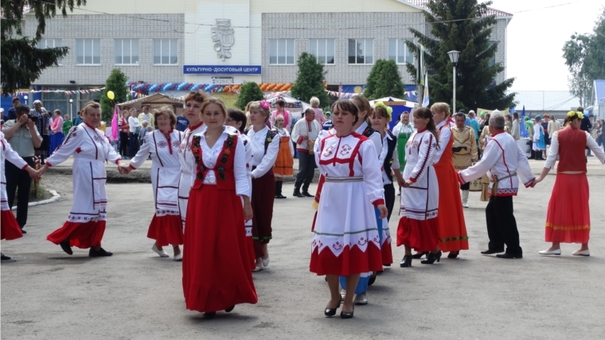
(180, 43)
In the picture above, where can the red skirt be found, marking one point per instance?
(417, 234)
(216, 261)
(387, 252)
(284, 164)
(351, 261)
(9, 226)
(81, 235)
(451, 227)
(165, 230)
(568, 216)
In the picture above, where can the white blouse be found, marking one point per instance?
(263, 162)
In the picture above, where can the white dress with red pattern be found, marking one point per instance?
(166, 226)
(8, 224)
(86, 220)
(346, 239)
(187, 167)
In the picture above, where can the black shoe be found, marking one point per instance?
(510, 256)
(406, 261)
(372, 279)
(23, 231)
(492, 251)
(229, 309)
(99, 253)
(66, 247)
(347, 315)
(419, 255)
(209, 315)
(331, 311)
(453, 254)
(280, 196)
(307, 194)
(432, 257)
(297, 194)
(4, 257)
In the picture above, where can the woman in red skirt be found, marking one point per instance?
(8, 224)
(216, 266)
(265, 146)
(568, 216)
(284, 162)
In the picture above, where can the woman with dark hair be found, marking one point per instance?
(568, 215)
(280, 110)
(216, 268)
(346, 241)
(193, 111)
(162, 144)
(418, 226)
(265, 146)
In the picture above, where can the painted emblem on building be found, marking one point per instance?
(223, 37)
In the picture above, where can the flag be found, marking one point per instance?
(114, 124)
(522, 129)
(425, 96)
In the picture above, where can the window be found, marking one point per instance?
(165, 52)
(323, 50)
(492, 60)
(50, 43)
(361, 51)
(88, 51)
(281, 51)
(126, 51)
(399, 51)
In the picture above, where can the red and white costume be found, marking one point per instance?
(419, 203)
(8, 224)
(86, 221)
(568, 215)
(187, 166)
(166, 226)
(346, 239)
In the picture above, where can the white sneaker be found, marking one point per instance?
(162, 252)
(552, 252)
(361, 299)
(465, 205)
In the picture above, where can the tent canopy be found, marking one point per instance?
(154, 101)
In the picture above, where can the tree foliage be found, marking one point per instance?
(249, 92)
(310, 80)
(384, 80)
(585, 59)
(22, 62)
(116, 82)
(462, 25)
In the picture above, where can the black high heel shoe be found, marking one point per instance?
(209, 315)
(453, 254)
(432, 257)
(406, 261)
(228, 310)
(331, 311)
(347, 315)
(419, 255)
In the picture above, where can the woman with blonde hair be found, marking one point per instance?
(284, 163)
(162, 144)
(319, 113)
(265, 147)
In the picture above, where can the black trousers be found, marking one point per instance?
(306, 171)
(501, 225)
(134, 144)
(389, 198)
(124, 144)
(465, 186)
(17, 178)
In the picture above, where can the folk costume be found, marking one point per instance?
(464, 155)
(403, 134)
(284, 163)
(265, 147)
(418, 226)
(9, 226)
(85, 223)
(216, 265)
(187, 166)
(450, 221)
(503, 160)
(568, 215)
(166, 226)
(346, 239)
(390, 160)
(248, 224)
(305, 146)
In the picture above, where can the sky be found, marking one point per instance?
(536, 35)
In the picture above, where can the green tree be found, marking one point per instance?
(22, 61)
(462, 25)
(249, 92)
(310, 80)
(384, 80)
(116, 82)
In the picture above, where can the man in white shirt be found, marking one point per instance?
(304, 134)
(145, 115)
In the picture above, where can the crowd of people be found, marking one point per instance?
(214, 186)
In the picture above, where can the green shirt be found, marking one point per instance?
(66, 127)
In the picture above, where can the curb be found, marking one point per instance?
(53, 199)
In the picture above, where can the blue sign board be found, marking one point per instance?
(221, 69)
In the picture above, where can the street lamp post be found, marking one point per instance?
(454, 55)
(71, 108)
(25, 98)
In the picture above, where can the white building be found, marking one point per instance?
(173, 45)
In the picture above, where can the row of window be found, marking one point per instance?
(360, 51)
(126, 51)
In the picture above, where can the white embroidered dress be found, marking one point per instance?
(165, 169)
(187, 161)
(346, 220)
(91, 150)
(7, 153)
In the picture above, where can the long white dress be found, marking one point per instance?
(346, 239)
(90, 149)
(187, 161)
(8, 224)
